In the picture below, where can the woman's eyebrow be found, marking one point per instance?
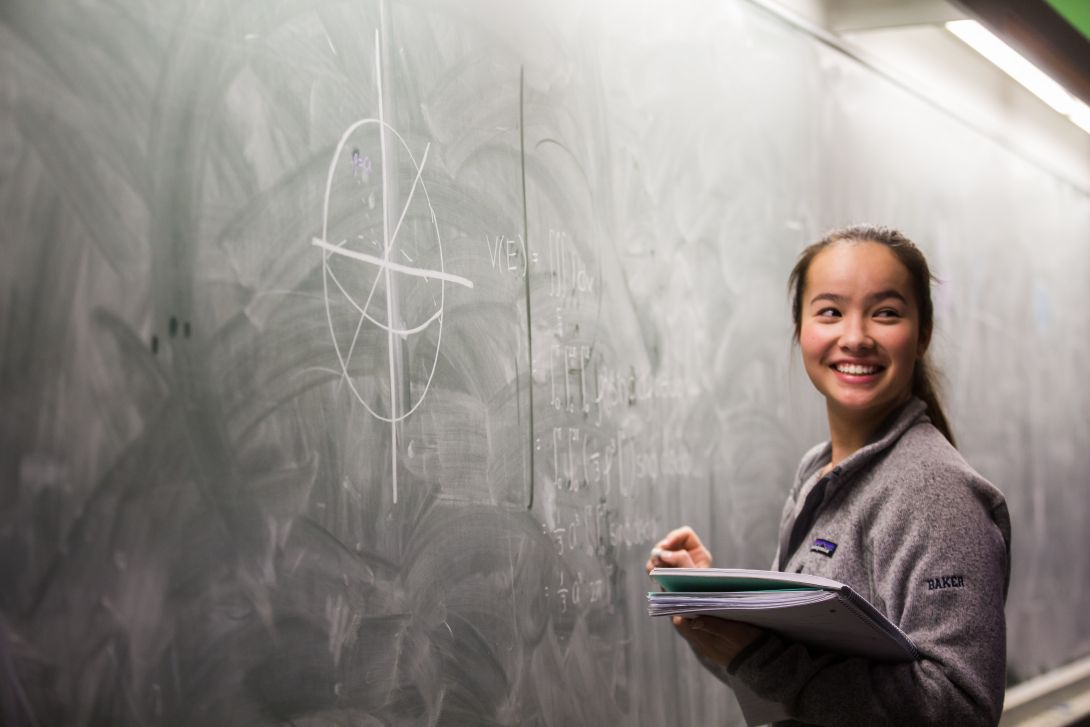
(872, 298)
(891, 293)
(831, 297)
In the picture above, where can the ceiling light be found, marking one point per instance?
(1080, 114)
(1010, 62)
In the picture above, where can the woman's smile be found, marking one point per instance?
(858, 372)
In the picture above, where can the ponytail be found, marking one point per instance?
(924, 388)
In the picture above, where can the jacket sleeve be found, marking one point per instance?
(944, 583)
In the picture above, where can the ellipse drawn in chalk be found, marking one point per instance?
(381, 263)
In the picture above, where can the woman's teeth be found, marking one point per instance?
(856, 369)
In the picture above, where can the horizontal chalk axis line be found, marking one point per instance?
(387, 264)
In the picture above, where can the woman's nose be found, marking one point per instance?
(855, 336)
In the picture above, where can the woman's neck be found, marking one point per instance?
(850, 431)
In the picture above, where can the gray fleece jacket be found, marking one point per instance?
(917, 532)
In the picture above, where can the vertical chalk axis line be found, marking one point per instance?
(401, 398)
(386, 258)
(526, 279)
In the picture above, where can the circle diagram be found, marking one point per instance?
(375, 271)
(383, 276)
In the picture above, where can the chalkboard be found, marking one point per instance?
(354, 354)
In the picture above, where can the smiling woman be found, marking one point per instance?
(886, 505)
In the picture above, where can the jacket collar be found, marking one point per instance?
(811, 490)
(895, 425)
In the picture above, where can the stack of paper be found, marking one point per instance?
(812, 610)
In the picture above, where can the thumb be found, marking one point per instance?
(676, 558)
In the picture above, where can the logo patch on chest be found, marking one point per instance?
(823, 546)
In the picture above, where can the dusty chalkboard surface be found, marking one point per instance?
(354, 354)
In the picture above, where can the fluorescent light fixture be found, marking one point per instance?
(1007, 59)
(977, 37)
(1080, 114)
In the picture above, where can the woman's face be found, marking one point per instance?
(859, 330)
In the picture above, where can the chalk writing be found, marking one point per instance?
(569, 272)
(361, 166)
(507, 254)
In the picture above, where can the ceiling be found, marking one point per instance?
(1053, 34)
(1076, 12)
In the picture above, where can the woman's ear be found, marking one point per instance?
(924, 342)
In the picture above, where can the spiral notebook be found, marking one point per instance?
(812, 610)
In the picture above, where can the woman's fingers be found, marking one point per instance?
(681, 548)
(662, 558)
(680, 538)
(717, 639)
(704, 643)
(674, 558)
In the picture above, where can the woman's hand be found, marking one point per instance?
(681, 548)
(714, 639)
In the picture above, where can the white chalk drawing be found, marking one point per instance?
(383, 267)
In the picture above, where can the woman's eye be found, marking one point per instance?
(887, 313)
(828, 313)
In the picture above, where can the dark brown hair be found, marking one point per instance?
(923, 383)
